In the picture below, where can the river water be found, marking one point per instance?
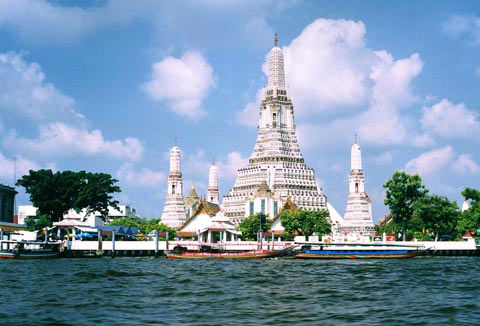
(148, 291)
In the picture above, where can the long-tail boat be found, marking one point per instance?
(360, 251)
(207, 253)
(11, 249)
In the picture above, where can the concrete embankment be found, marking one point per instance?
(150, 248)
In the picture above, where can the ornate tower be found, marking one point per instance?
(212, 192)
(276, 156)
(358, 214)
(174, 210)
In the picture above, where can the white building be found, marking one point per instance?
(276, 158)
(81, 218)
(174, 210)
(358, 220)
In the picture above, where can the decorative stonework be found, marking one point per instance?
(276, 157)
(174, 210)
(358, 214)
(212, 192)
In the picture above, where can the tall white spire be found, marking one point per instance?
(356, 156)
(276, 71)
(212, 193)
(276, 157)
(358, 214)
(174, 209)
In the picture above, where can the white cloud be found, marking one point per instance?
(466, 165)
(463, 25)
(183, 82)
(477, 72)
(328, 66)
(41, 20)
(449, 120)
(423, 140)
(144, 177)
(7, 167)
(430, 162)
(383, 158)
(249, 115)
(24, 92)
(59, 139)
(227, 167)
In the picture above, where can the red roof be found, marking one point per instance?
(467, 235)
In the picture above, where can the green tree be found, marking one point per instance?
(402, 192)
(470, 219)
(251, 225)
(96, 193)
(306, 222)
(438, 214)
(145, 226)
(37, 223)
(54, 194)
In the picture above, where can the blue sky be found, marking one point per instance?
(107, 86)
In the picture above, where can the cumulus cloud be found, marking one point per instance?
(466, 165)
(383, 158)
(41, 20)
(143, 177)
(249, 115)
(431, 161)
(24, 92)
(449, 120)
(7, 167)
(183, 82)
(228, 166)
(328, 66)
(59, 139)
(463, 25)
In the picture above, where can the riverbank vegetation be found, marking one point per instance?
(415, 213)
(54, 194)
(145, 227)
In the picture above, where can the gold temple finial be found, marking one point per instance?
(275, 41)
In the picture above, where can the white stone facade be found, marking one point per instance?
(358, 214)
(276, 157)
(174, 210)
(212, 192)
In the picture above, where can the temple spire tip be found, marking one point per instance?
(275, 41)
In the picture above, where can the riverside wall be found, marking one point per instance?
(147, 248)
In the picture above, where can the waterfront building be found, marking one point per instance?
(174, 213)
(81, 218)
(208, 224)
(191, 202)
(276, 157)
(212, 192)
(357, 220)
(263, 201)
(7, 202)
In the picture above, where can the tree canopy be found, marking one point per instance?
(145, 226)
(251, 225)
(439, 215)
(54, 194)
(402, 191)
(470, 219)
(306, 222)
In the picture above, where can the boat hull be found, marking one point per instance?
(26, 255)
(254, 254)
(356, 254)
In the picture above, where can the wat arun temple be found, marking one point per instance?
(276, 172)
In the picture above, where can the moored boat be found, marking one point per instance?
(361, 251)
(252, 254)
(29, 249)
